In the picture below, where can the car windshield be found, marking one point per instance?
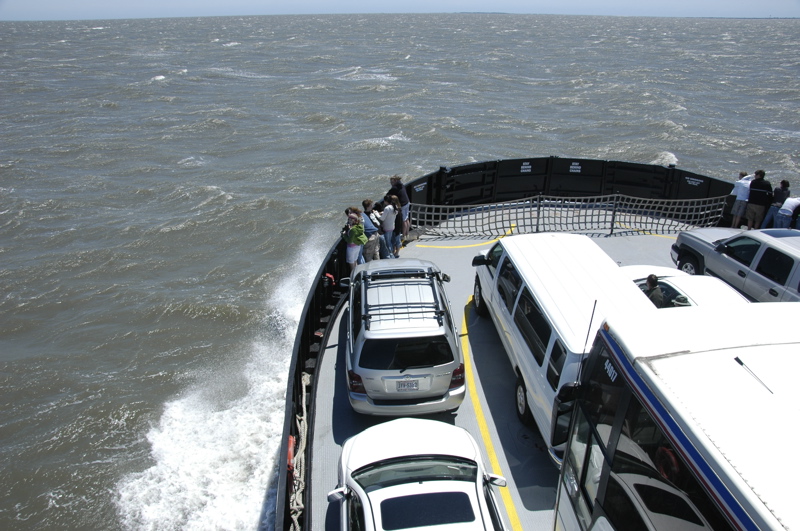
(405, 353)
(414, 469)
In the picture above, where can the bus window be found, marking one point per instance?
(583, 466)
(619, 507)
(604, 393)
(655, 481)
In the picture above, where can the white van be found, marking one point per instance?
(547, 294)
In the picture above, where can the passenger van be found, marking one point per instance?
(547, 294)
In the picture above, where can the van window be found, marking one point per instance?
(743, 250)
(494, 255)
(775, 265)
(508, 283)
(556, 363)
(533, 325)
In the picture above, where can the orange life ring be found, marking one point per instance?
(667, 464)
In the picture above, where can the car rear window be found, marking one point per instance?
(405, 353)
(419, 510)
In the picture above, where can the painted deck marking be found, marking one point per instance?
(487, 242)
(511, 509)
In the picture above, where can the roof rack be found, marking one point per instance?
(407, 308)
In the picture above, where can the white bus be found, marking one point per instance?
(688, 420)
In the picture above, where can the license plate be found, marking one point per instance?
(408, 385)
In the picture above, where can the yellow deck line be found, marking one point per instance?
(511, 509)
(458, 246)
(508, 233)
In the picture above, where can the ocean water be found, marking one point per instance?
(168, 188)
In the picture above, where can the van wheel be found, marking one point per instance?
(523, 411)
(477, 297)
(688, 264)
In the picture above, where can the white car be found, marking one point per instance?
(415, 473)
(682, 289)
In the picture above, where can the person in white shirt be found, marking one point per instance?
(741, 189)
(783, 219)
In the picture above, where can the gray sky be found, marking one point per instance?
(106, 9)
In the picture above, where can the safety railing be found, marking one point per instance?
(600, 215)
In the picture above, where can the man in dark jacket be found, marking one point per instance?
(654, 292)
(760, 199)
(399, 189)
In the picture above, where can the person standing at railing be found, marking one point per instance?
(787, 214)
(779, 195)
(760, 198)
(399, 189)
(741, 189)
(353, 235)
(391, 206)
(371, 231)
(377, 212)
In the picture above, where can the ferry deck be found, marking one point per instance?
(511, 449)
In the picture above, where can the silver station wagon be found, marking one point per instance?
(403, 353)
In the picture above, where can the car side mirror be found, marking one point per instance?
(337, 494)
(480, 260)
(445, 277)
(568, 392)
(721, 248)
(562, 412)
(497, 481)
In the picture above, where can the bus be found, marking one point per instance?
(685, 420)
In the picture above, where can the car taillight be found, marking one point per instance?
(355, 383)
(457, 379)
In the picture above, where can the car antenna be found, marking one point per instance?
(586, 343)
(589, 331)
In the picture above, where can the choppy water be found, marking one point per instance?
(168, 188)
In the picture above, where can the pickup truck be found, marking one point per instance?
(764, 265)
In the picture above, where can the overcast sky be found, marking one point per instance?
(105, 9)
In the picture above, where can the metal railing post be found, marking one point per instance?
(538, 210)
(613, 214)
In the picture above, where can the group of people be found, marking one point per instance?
(379, 229)
(762, 206)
